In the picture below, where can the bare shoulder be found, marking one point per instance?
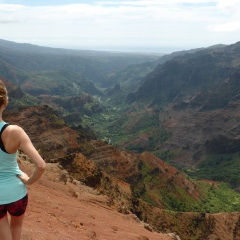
(13, 137)
(15, 130)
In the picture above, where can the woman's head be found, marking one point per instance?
(3, 94)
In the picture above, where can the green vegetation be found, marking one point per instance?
(151, 186)
(219, 198)
(219, 167)
(24, 100)
(165, 155)
(61, 83)
(138, 131)
(129, 77)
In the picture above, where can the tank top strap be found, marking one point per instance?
(1, 142)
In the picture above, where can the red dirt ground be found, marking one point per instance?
(60, 209)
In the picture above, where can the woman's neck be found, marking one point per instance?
(1, 116)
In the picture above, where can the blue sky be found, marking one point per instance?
(129, 25)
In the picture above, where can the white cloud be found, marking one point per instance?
(112, 23)
(100, 12)
(230, 11)
(226, 27)
(231, 8)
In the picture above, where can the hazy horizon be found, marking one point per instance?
(161, 26)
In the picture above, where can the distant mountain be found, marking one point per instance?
(187, 74)
(89, 64)
(134, 74)
(57, 82)
(61, 83)
(131, 78)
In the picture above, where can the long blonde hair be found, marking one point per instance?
(3, 94)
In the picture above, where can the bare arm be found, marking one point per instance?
(27, 147)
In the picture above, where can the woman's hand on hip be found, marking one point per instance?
(24, 177)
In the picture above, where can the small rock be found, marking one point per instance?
(63, 176)
(174, 236)
(122, 209)
(90, 233)
(132, 217)
(146, 226)
(114, 228)
(75, 194)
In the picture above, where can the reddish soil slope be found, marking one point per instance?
(61, 208)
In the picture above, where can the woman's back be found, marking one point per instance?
(11, 187)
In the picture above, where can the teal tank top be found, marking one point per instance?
(11, 187)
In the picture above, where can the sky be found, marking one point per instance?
(129, 25)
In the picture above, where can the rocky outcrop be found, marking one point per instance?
(47, 131)
(81, 169)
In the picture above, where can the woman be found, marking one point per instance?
(13, 191)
